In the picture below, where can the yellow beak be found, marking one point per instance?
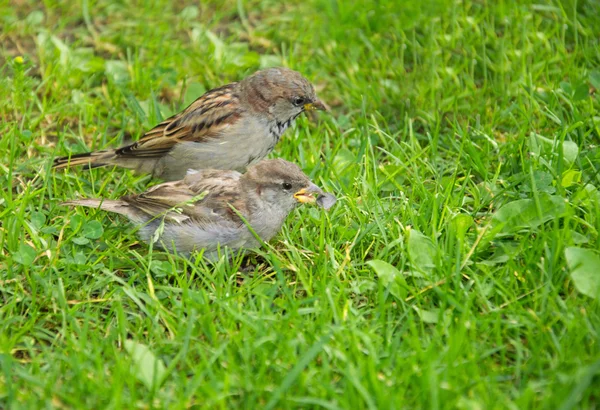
(309, 194)
(317, 105)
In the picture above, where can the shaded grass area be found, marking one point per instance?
(462, 143)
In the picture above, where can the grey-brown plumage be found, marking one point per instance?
(230, 127)
(209, 209)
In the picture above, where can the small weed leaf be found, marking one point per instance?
(190, 13)
(584, 265)
(390, 278)
(38, 220)
(26, 255)
(581, 92)
(595, 79)
(570, 152)
(160, 268)
(76, 222)
(428, 316)
(92, 230)
(524, 213)
(117, 70)
(343, 160)
(540, 181)
(147, 367)
(461, 224)
(587, 193)
(421, 251)
(80, 240)
(539, 145)
(570, 177)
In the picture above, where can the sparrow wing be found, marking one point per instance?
(202, 197)
(203, 120)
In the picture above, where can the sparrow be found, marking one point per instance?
(230, 127)
(215, 209)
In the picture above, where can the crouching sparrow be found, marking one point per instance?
(230, 127)
(213, 209)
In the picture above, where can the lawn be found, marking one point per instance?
(459, 268)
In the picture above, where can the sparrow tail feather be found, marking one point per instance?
(116, 206)
(89, 159)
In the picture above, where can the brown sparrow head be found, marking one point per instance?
(210, 209)
(230, 127)
(280, 185)
(283, 93)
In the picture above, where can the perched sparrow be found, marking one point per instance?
(211, 209)
(230, 127)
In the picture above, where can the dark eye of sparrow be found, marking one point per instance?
(287, 186)
(298, 101)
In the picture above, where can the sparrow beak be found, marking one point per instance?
(309, 194)
(315, 105)
(315, 195)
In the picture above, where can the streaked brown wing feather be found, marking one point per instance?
(203, 120)
(202, 197)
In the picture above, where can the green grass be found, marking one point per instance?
(463, 145)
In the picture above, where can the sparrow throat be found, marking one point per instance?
(279, 127)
